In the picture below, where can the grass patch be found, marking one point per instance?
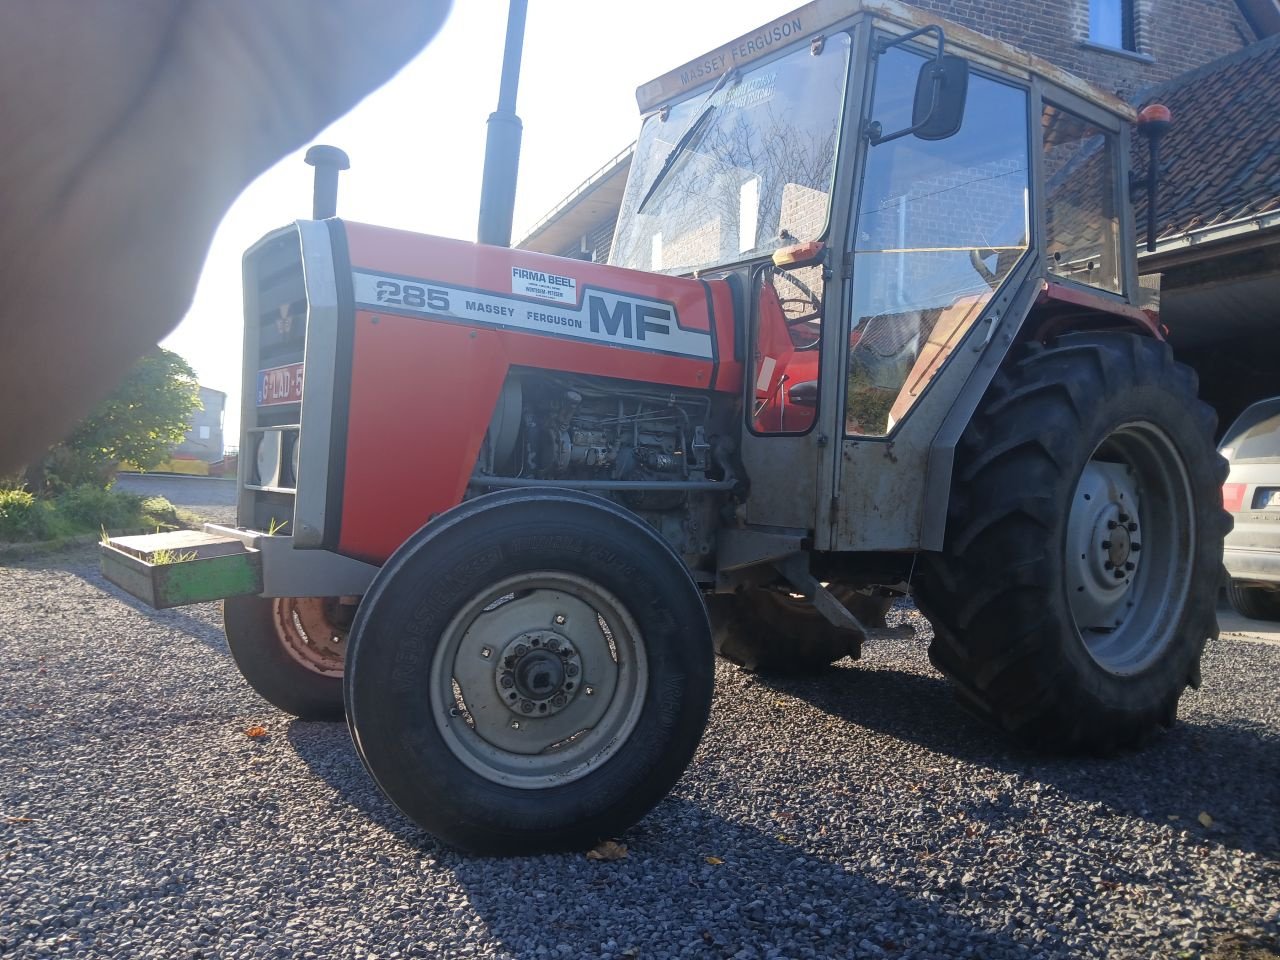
(85, 509)
(162, 558)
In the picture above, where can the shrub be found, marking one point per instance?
(19, 513)
(158, 510)
(91, 507)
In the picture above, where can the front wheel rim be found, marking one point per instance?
(310, 632)
(538, 680)
(1130, 540)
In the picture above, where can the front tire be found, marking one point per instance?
(530, 672)
(290, 650)
(1078, 582)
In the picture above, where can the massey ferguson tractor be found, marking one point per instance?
(870, 326)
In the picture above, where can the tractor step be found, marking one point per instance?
(186, 566)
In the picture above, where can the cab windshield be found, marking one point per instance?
(753, 171)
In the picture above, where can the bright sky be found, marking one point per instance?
(417, 144)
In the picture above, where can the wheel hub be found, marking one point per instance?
(1103, 545)
(537, 673)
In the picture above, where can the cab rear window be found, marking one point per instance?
(1255, 435)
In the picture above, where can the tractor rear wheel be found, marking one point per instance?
(532, 671)
(290, 650)
(1079, 578)
(770, 630)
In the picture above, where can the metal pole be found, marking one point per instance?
(502, 145)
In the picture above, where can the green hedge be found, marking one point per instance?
(83, 509)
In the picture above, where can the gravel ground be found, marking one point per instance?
(857, 815)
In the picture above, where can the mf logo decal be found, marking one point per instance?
(602, 316)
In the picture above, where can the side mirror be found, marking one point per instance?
(941, 89)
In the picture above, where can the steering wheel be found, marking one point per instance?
(975, 257)
(805, 328)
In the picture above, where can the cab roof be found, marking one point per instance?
(813, 18)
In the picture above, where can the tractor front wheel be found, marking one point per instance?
(531, 671)
(1079, 579)
(290, 650)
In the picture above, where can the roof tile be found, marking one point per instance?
(1221, 158)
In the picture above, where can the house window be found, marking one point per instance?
(1111, 24)
(204, 432)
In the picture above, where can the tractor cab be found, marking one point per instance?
(879, 186)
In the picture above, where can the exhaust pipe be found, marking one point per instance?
(329, 162)
(502, 145)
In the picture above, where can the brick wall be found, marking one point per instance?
(1174, 35)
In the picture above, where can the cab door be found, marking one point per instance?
(939, 228)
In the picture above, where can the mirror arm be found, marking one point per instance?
(886, 43)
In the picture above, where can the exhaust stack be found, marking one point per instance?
(502, 146)
(329, 162)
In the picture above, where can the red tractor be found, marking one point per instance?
(870, 327)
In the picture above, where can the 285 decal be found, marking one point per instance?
(395, 293)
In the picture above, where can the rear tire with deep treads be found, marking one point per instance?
(1062, 433)
(581, 615)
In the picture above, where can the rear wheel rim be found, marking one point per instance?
(538, 680)
(1129, 546)
(307, 630)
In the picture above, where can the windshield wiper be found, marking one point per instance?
(685, 139)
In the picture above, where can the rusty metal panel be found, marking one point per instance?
(783, 472)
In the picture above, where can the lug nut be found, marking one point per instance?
(1128, 565)
(1124, 518)
(1106, 544)
(1119, 574)
(1131, 526)
(1135, 546)
(1111, 524)
(553, 645)
(571, 669)
(1108, 565)
(508, 681)
(558, 700)
(521, 649)
(526, 706)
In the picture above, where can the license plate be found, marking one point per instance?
(280, 385)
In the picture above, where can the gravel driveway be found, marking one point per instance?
(859, 815)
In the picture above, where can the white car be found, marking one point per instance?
(1252, 496)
